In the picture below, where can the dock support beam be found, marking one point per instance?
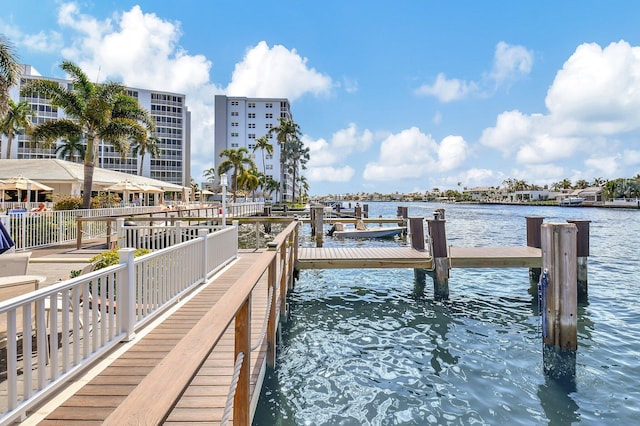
(533, 240)
(559, 300)
(440, 256)
(317, 213)
(582, 251)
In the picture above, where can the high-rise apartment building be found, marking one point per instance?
(173, 130)
(239, 121)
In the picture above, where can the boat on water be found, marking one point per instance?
(570, 201)
(360, 231)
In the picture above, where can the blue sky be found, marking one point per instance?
(390, 96)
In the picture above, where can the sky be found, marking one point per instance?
(403, 96)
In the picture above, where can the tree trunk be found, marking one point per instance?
(89, 167)
(9, 140)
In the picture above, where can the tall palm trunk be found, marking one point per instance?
(9, 140)
(89, 168)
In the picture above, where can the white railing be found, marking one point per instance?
(54, 333)
(41, 229)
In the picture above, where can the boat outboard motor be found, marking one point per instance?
(331, 230)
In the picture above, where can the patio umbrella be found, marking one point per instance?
(22, 183)
(6, 242)
(150, 189)
(124, 186)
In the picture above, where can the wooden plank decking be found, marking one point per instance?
(205, 399)
(365, 257)
(406, 257)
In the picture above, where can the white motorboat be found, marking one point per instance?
(570, 201)
(338, 230)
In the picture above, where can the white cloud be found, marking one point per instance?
(327, 158)
(592, 104)
(142, 50)
(276, 72)
(510, 62)
(446, 90)
(330, 174)
(411, 154)
(44, 42)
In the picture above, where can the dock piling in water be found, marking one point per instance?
(533, 240)
(582, 251)
(440, 256)
(560, 312)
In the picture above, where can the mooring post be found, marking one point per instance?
(416, 232)
(317, 223)
(559, 300)
(533, 240)
(365, 210)
(582, 252)
(357, 211)
(440, 257)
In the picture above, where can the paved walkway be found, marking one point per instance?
(56, 262)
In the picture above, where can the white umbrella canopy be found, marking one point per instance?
(22, 183)
(150, 188)
(124, 186)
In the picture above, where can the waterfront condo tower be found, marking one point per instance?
(173, 130)
(239, 121)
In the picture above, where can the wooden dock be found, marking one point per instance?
(407, 257)
(205, 398)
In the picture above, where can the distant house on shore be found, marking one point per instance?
(484, 193)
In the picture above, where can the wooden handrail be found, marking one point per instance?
(145, 405)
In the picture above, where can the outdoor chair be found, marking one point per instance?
(14, 264)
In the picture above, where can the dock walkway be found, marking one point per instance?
(96, 395)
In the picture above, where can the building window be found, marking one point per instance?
(252, 115)
(251, 136)
(251, 146)
(268, 166)
(252, 125)
(234, 103)
(234, 113)
(234, 134)
(234, 124)
(234, 145)
(269, 105)
(251, 105)
(269, 157)
(268, 125)
(268, 115)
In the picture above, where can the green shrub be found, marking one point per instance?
(68, 203)
(111, 257)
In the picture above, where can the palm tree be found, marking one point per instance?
(96, 112)
(286, 132)
(269, 185)
(16, 120)
(249, 180)
(581, 184)
(10, 71)
(262, 143)
(71, 148)
(237, 160)
(209, 174)
(298, 156)
(303, 184)
(145, 146)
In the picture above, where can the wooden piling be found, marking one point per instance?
(582, 251)
(533, 240)
(317, 224)
(440, 256)
(559, 299)
(357, 211)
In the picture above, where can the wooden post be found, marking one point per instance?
(416, 226)
(357, 211)
(242, 398)
(559, 299)
(440, 257)
(365, 210)
(583, 254)
(318, 223)
(533, 240)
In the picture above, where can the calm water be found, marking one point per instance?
(366, 347)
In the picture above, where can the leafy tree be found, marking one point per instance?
(237, 160)
(598, 181)
(16, 121)
(298, 156)
(71, 148)
(270, 185)
(287, 132)
(262, 143)
(10, 71)
(581, 184)
(209, 174)
(145, 146)
(96, 112)
(250, 180)
(565, 184)
(303, 186)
